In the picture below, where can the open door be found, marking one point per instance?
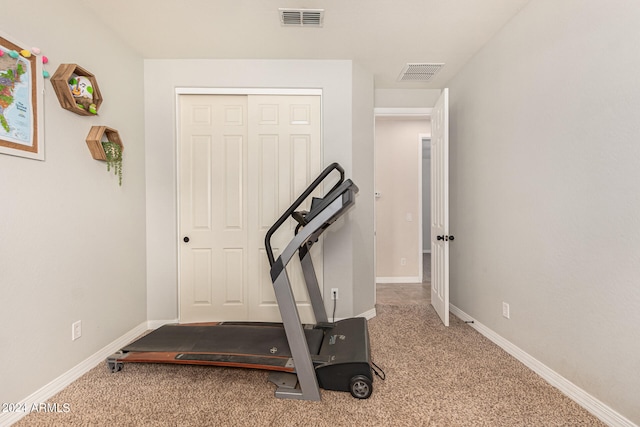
(440, 237)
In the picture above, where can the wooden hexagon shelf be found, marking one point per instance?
(60, 82)
(94, 140)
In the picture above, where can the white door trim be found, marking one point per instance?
(421, 137)
(245, 91)
(425, 137)
(402, 112)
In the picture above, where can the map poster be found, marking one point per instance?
(21, 85)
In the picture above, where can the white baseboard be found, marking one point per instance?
(368, 314)
(407, 279)
(155, 324)
(55, 386)
(581, 397)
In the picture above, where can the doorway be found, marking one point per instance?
(425, 141)
(401, 136)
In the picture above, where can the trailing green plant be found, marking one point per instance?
(113, 153)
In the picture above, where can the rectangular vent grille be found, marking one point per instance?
(301, 17)
(419, 72)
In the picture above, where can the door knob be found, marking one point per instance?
(186, 239)
(445, 238)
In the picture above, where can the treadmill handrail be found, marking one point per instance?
(298, 202)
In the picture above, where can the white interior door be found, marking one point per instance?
(243, 160)
(440, 207)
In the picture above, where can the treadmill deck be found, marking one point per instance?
(250, 346)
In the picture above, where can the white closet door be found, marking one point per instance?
(213, 208)
(242, 161)
(284, 157)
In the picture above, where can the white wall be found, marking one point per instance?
(342, 262)
(72, 242)
(545, 201)
(406, 98)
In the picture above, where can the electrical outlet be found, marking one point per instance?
(76, 330)
(403, 261)
(505, 310)
(334, 293)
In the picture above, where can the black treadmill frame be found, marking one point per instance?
(300, 375)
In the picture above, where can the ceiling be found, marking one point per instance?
(381, 35)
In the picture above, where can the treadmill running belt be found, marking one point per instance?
(235, 339)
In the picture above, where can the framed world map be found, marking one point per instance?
(21, 103)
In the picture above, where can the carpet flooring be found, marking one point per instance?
(436, 376)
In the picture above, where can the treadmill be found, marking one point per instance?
(302, 358)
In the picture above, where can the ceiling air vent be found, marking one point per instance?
(415, 72)
(301, 17)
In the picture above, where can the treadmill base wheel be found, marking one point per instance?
(360, 387)
(115, 366)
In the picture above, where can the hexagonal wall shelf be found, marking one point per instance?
(60, 82)
(94, 140)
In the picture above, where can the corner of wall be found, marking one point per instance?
(363, 173)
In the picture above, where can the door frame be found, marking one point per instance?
(181, 91)
(403, 113)
(245, 91)
(421, 139)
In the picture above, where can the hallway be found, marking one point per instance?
(407, 293)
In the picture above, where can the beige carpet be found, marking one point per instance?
(436, 376)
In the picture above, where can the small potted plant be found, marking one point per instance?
(113, 153)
